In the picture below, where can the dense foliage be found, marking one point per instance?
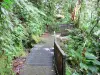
(23, 21)
(83, 49)
(20, 23)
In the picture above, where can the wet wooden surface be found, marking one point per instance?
(40, 60)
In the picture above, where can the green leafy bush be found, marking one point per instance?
(84, 46)
(19, 21)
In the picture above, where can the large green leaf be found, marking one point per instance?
(83, 66)
(93, 69)
(96, 62)
(75, 73)
(90, 56)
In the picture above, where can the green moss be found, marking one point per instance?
(36, 38)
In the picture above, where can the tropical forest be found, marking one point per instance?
(50, 37)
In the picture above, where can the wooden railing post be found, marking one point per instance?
(60, 59)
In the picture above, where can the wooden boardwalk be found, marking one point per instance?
(40, 60)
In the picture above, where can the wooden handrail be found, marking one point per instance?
(60, 59)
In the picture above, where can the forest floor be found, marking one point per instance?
(40, 60)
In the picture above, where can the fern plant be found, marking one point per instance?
(19, 21)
